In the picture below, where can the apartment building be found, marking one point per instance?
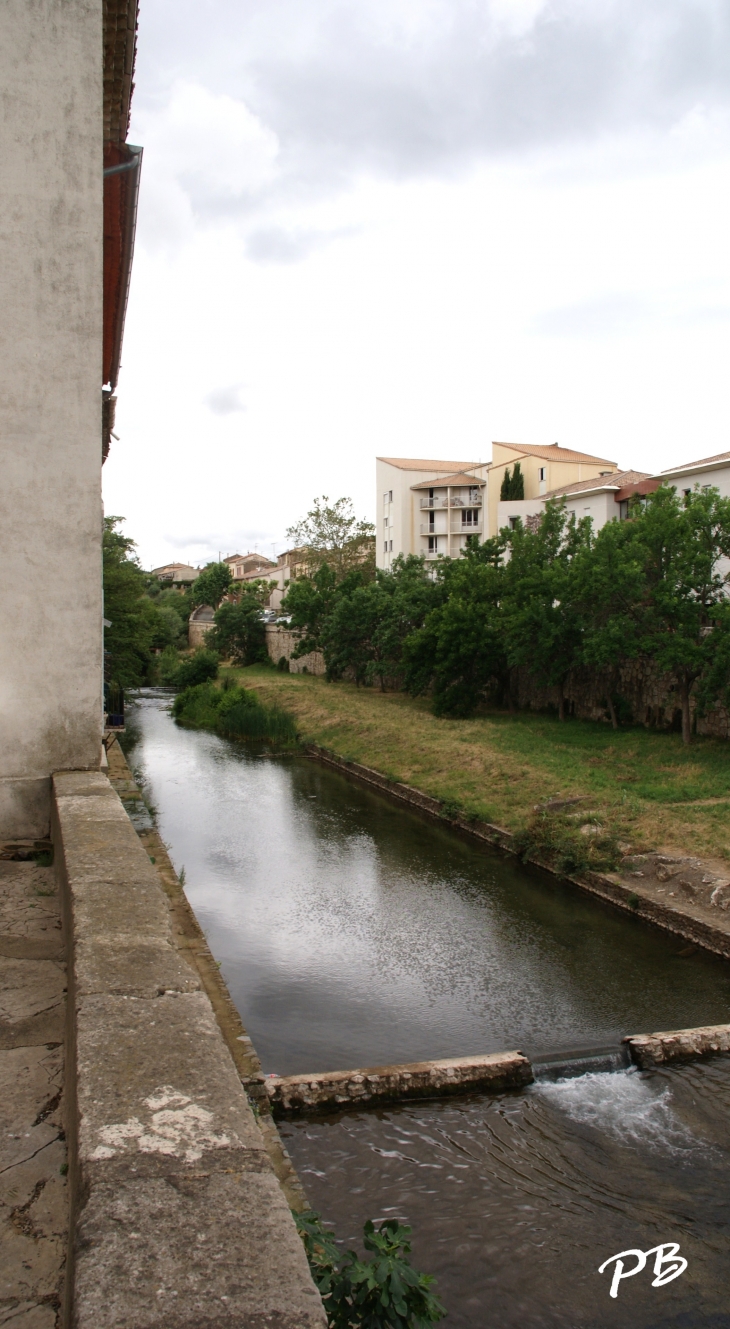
(432, 507)
(609, 498)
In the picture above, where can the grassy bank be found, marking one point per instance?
(646, 787)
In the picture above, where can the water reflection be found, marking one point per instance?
(352, 932)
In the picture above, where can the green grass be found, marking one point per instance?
(644, 787)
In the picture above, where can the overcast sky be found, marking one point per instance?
(410, 227)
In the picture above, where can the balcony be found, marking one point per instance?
(464, 528)
(428, 529)
(455, 502)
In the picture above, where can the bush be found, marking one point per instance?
(196, 668)
(556, 839)
(384, 1292)
(233, 712)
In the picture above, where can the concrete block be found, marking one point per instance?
(649, 1050)
(335, 1090)
(135, 907)
(157, 1085)
(131, 966)
(196, 1251)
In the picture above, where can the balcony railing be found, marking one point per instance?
(428, 529)
(456, 502)
(464, 528)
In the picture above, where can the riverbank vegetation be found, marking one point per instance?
(643, 786)
(383, 1291)
(550, 599)
(234, 712)
(138, 626)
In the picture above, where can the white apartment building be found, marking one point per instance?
(432, 507)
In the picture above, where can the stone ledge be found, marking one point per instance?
(649, 1050)
(332, 1091)
(178, 1219)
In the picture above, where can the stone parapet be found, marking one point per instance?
(371, 1085)
(649, 1050)
(178, 1220)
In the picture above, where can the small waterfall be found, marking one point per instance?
(568, 1065)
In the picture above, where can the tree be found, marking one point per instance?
(212, 585)
(608, 582)
(135, 623)
(683, 617)
(331, 533)
(459, 651)
(364, 632)
(311, 600)
(240, 632)
(544, 619)
(513, 486)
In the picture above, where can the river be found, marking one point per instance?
(351, 931)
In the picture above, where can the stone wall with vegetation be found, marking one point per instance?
(642, 695)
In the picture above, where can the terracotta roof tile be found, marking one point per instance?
(458, 478)
(616, 480)
(554, 453)
(704, 461)
(414, 464)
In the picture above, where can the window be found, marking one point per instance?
(385, 547)
(474, 494)
(390, 495)
(432, 544)
(385, 523)
(470, 517)
(542, 473)
(391, 546)
(430, 493)
(623, 509)
(514, 523)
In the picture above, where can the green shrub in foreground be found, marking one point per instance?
(234, 713)
(384, 1292)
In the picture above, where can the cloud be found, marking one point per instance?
(275, 244)
(603, 317)
(225, 401)
(423, 86)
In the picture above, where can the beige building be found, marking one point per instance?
(176, 574)
(432, 507)
(249, 566)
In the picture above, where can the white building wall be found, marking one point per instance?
(51, 233)
(599, 507)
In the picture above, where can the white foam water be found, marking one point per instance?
(622, 1104)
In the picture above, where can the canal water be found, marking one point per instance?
(353, 932)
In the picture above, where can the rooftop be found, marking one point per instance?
(616, 480)
(690, 465)
(416, 464)
(458, 478)
(553, 452)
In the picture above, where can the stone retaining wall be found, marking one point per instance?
(372, 1085)
(281, 642)
(177, 1217)
(645, 692)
